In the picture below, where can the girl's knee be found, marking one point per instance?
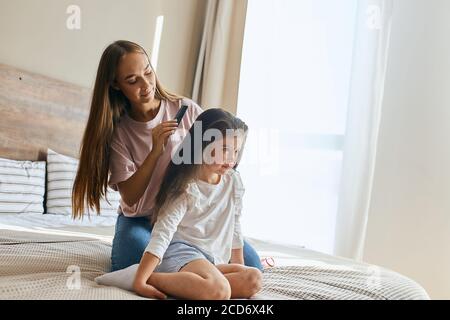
(216, 289)
(253, 278)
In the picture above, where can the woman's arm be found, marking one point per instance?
(132, 189)
(237, 256)
(146, 267)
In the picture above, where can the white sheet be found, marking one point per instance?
(35, 266)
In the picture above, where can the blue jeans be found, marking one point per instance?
(132, 236)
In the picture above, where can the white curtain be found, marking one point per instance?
(217, 71)
(369, 63)
(311, 88)
(293, 94)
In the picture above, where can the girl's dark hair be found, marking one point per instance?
(178, 176)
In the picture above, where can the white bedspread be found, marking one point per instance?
(52, 264)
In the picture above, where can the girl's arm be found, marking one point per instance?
(237, 246)
(237, 252)
(146, 267)
(162, 234)
(237, 256)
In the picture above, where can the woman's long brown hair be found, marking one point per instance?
(107, 107)
(178, 176)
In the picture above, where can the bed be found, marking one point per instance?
(46, 256)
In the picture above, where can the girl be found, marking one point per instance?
(127, 145)
(197, 230)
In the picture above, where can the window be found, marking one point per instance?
(293, 94)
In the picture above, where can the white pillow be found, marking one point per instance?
(122, 279)
(22, 186)
(61, 172)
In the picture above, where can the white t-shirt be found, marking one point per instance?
(206, 216)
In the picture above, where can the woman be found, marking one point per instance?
(130, 135)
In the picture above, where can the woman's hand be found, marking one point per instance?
(160, 135)
(134, 187)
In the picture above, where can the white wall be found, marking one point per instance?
(409, 220)
(34, 36)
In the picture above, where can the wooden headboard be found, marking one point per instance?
(38, 112)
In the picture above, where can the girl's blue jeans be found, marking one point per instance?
(132, 236)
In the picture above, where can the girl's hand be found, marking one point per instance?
(141, 281)
(148, 291)
(160, 135)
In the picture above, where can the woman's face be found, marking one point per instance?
(136, 78)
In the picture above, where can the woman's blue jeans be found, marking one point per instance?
(132, 236)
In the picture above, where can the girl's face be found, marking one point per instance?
(136, 78)
(221, 155)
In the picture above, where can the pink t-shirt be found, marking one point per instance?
(131, 144)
